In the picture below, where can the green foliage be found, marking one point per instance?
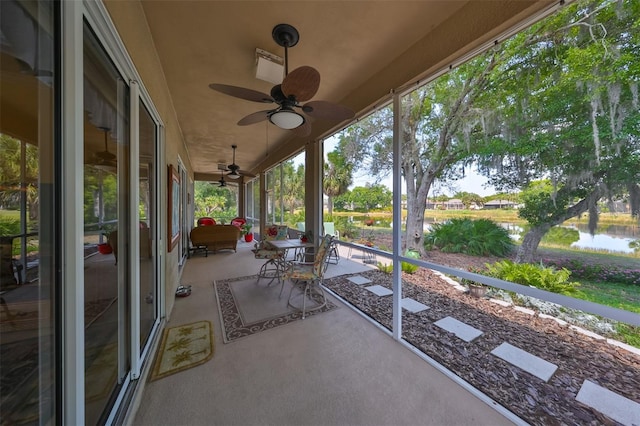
(9, 224)
(544, 203)
(386, 268)
(630, 334)
(347, 229)
(213, 201)
(407, 267)
(469, 198)
(475, 237)
(246, 229)
(544, 278)
(365, 198)
(597, 272)
(561, 236)
(292, 219)
(338, 173)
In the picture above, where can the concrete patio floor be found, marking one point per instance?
(334, 368)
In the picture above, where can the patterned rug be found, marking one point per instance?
(183, 347)
(248, 306)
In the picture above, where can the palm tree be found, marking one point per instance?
(337, 177)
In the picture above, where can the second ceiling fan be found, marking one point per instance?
(300, 85)
(233, 168)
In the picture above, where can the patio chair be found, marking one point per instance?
(308, 277)
(238, 222)
(273, 266)
(206, 221)
(334, 255)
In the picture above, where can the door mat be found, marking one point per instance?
(183, 347)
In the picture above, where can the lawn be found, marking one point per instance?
(617, 295)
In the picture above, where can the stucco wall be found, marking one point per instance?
(131, 25)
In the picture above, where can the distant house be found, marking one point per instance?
(453, 204)
(500, 204)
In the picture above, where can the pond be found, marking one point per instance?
(614, 238)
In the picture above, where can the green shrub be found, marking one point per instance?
(544, 278)
(475, 237)
(386, 268)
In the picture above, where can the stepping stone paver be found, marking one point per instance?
(619, 408)
(378, 290)
(460, 329)
(528, 362)
(413, 306)
(359, 280)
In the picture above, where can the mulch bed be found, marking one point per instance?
(577, 356)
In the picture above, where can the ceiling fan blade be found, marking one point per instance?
(302, 83)
(254, 118)
(303, 130)
(242, 93)
(247, 174)
(105, 155)
(327, 110)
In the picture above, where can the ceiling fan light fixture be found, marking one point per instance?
(233, 175)
(286, 119)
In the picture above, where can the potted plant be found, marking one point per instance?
(246, 232)
(306, 237)
(476, 289)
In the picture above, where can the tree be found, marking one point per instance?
(337, 174)
(437, 124)
(369, 197)
(12, 183)
(293, 182)
(571, 114)
(469, 198)
(214, 201)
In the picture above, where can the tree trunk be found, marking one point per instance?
(330, 205)
(530, 243)
(415, 228)
(532, 239)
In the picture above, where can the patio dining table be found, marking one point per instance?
(291, 243)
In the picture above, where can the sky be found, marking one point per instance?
(472, 182)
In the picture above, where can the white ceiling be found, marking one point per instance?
(362, 49)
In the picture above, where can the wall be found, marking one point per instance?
(130, 21)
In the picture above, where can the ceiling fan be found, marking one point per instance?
(298, 86)
(233, 168)
(222, 183)
(105, 160)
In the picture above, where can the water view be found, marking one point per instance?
(614, 238)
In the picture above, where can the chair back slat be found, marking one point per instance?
(321, 256)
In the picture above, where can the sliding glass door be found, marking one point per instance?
(29, 195)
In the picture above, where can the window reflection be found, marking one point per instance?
(27, 191)
(106, 225)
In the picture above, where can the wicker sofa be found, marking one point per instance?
(214, 238)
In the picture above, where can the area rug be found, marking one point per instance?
(248, 306)
(183, 347)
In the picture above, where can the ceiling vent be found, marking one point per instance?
(269, 67)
